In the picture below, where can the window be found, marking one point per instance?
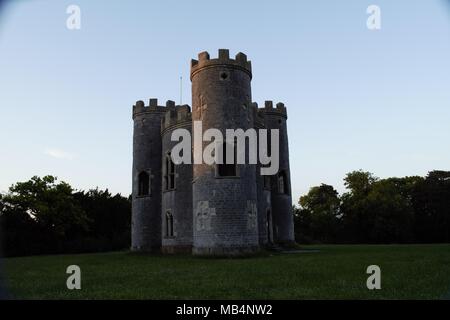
(143, 184)
(226, 169)
(282, 183)
(169, 173)
(169, 224)
(224, 75)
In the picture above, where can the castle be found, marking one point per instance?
(219, 209)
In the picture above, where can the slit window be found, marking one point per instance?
(169, 224)
(227, 169)
(144, 184)
(282, 183)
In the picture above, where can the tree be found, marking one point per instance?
(43, 215)
(389, 211)
(431, 201)
(355, 216)
(110, 218)
(46, 209)
(359, 182)
(320, 207)
(392, 210)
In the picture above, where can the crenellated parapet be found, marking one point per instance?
(204, 61)
(269, 110)
(176, 116)
(140, 108)
(258, 115)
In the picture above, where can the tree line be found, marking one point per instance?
(372, 210)
(47, 216)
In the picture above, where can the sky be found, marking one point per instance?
(377, 100)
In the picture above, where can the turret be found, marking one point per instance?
(280, 184)
(224, 195)
(263, 182)
(146, 194)
(176, 207)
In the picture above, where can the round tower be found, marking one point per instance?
(176, 213)
(146, 191)
(263, 184)
(281, 199)
(224, 195)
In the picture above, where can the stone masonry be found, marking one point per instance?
(201, 208)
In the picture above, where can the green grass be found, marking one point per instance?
(336, 272)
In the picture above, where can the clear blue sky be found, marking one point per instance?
(376, 100)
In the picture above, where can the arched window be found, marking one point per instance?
(169, 224)
(227, 169)
(143, 184)
(282, 183)
(169, 173)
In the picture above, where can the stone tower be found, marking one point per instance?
(209, 208)
(224, 197)
(176, 210)
(281, 199)
(146, 193)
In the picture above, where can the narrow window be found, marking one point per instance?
(169, 173)
(169, 224)
(227, 169)
(143, 184)
(282, 183)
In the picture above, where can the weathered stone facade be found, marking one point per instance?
(201, 208)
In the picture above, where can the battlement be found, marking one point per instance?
(258, 116)
(204, 61)
(279, 110)
(153, 107)
(176, 115)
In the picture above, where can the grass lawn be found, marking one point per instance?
(336, 272)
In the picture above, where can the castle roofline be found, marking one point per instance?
(177, 116)
(279, 110)
(153, 107)
(204, 61)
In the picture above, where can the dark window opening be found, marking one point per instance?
(172, 174)
(269, 143)
(282, 183)
(224, 76)
(227, 169)
(144, 184)
(169, 224)
(169, 173)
